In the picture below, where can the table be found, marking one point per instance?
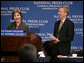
(42, 58)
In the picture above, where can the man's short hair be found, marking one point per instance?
(66, 9)
(28, 53)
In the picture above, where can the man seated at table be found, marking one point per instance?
(51, 52)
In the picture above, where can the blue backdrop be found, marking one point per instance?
(42, 15)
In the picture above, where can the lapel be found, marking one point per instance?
(14, 26)
(20, 26)
(63, 25)
(58, 25)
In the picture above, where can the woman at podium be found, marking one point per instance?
(18, 24)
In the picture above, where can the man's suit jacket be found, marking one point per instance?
(22, 26)
(65, 35)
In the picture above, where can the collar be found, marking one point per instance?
(63, 20)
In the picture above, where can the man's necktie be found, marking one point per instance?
(61, 23)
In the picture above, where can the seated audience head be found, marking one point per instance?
(28, 53)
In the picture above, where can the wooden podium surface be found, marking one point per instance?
(13, 43)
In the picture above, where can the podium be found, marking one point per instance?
(11, 44)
